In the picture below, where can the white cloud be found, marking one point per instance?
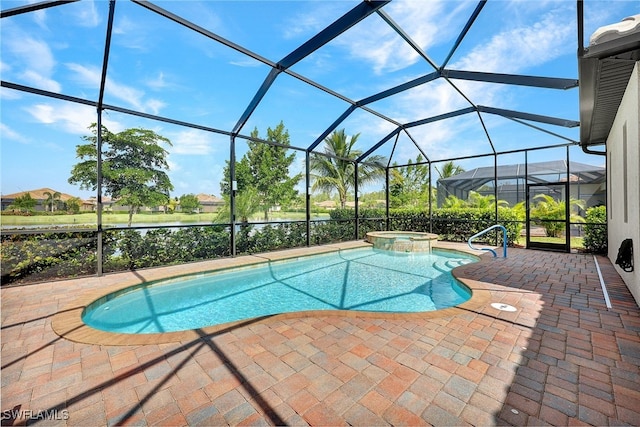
(7, 133)
(157, 82)
(32, 53)
(247, 62)
(427, 23)
(72, 118)
(90, 77)
(9, 94)
(154, 105)
(40, 17)
(517, 48)
(524, 46)
(192, 141)
(134, 36)
(85, 75)
(431, 99)
(32, 60)
(456, 137)
(40, 81)
(309, 22)
(173, 166)
(86, 14)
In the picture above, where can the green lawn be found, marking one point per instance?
(107, 218)
(89, 219)
(576, 242)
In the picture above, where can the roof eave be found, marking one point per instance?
(621, 53)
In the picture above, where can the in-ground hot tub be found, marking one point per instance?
(402, 241)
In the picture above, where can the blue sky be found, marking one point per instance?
(159, 67)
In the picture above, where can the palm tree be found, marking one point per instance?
(552, 210)
(454, 203)
(336, 170)
(247, 203)
(477, 200)
(449, 169)
(52, 199)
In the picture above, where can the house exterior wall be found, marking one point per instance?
(623, 161)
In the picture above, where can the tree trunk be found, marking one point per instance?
(131, 210)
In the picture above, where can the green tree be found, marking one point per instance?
(449, 169)
(477, 200)
(336, 170)
(409, 185)
(247, 203)
(52, 200)
(551, 213)
(244, 178)
(172, 205)
(453, 202)
(73, 205)
(133, 167)
(265, 167)
(189, 203)
(24, 203)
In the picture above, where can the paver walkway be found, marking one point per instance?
(562, 358)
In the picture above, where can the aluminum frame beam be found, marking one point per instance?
(342, 24)
(333, 125)
(512, 79)
(528, 116)
(406, 38)
(33, 7)
(464, 32)
(557, 135)
(400, 88)
(105, 58)
(198, 29)
(439, 117)
(378, 145)
(413, 124)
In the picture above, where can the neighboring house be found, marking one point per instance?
(108, 205)
(327, 204)
(38, 194)
(209, 203)
(610, 115)
(331, 204)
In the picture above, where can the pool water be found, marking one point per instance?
(363, 279)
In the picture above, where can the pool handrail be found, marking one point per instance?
(486, 230)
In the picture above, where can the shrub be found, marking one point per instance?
(132, 249)
(271, 237)
(595, 230)
(47, 256)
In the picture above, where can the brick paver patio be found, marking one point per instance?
(562, 358)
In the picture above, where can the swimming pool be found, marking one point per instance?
(362, 279)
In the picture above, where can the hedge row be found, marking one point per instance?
(65, 254)
(451, 224)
